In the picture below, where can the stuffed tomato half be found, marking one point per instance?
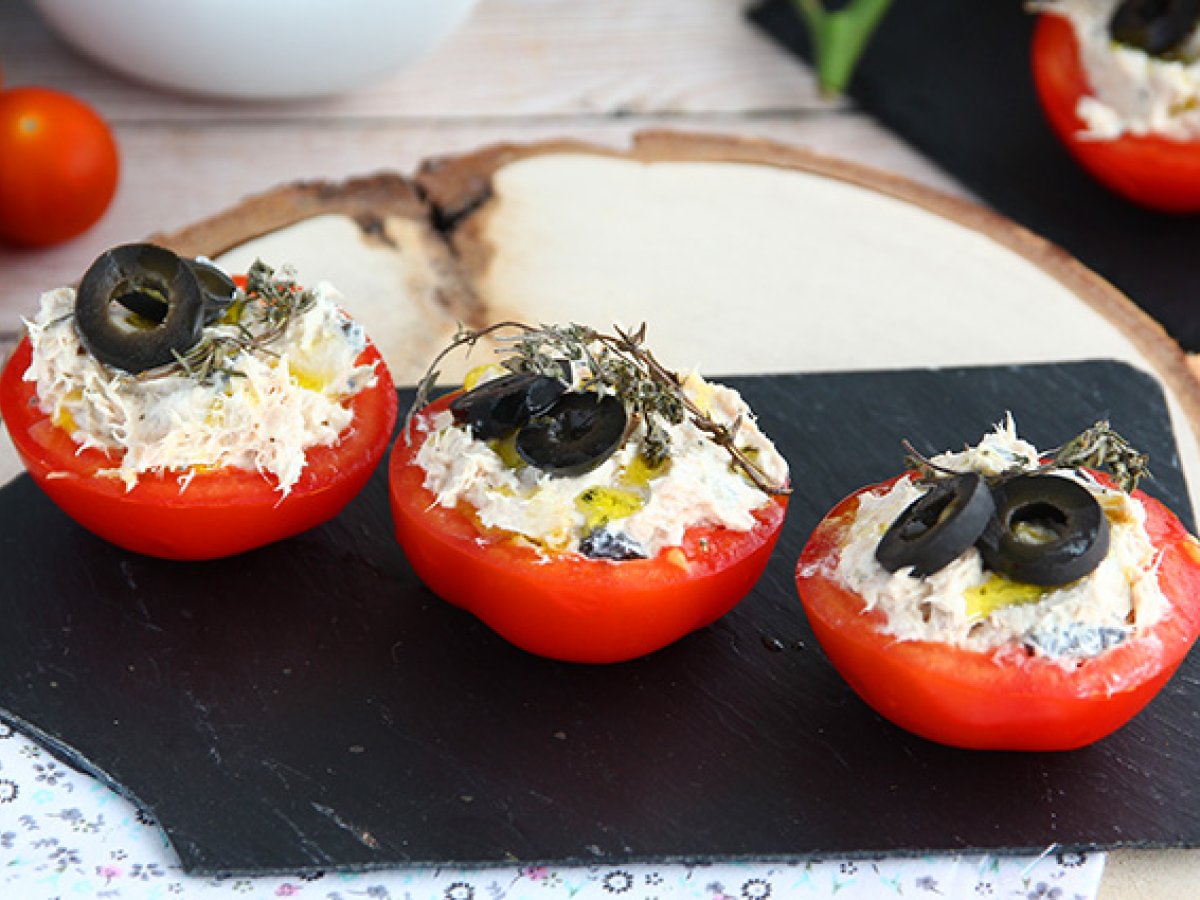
(178, 414)
(998, 599)
(584, 502)
(1119, 82)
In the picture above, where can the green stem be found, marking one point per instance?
(839, 38)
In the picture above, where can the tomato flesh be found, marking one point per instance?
(1156, 172)
(221, 512)
(567, 606)
(1003, 700)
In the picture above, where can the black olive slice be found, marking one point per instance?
(218, 288)
(938, 526)
(1159, 27)
(499, 407)
(615, 545)
(1047, 531)
(155, 284)
(580, 431)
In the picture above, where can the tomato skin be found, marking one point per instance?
(569, 607)
(1004, 700)
(222, 512)
(58, 166)
(1156, 172)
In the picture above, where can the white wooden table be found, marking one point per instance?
(520, 70)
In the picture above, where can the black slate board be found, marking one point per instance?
(952, 78)
(311, 705)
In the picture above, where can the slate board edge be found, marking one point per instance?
(680, 860)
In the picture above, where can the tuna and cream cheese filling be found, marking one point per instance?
(696, 485)
(1132, 92)
(957, 605)
(276, 402)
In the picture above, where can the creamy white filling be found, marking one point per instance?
(285, 398)
(698, 487)
(1132, 92)
(1075, 621)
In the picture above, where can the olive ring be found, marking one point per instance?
(1047, 530)
(156, 285)
(938, 526)
(219, 289)
(561, 432)
(576, 434)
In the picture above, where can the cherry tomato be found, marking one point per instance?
(568, 606)
(1003, 700)
(221, 512)
(58, 166)
(1156, 172)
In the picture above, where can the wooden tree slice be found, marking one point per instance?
(740, 255)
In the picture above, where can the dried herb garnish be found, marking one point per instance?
(258, 317)
(620, 363)
(1098, 447)
(926, 468)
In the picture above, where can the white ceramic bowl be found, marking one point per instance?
(254, 49)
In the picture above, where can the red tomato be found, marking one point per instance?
(222, 512)
(567, 606)
(1004, 700)
(1156, 172)
(58, 166)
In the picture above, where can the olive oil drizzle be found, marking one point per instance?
(623, 365)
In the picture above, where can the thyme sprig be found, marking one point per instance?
(926, 468)
(258, 317)
(619, 363)
(1098, 447)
